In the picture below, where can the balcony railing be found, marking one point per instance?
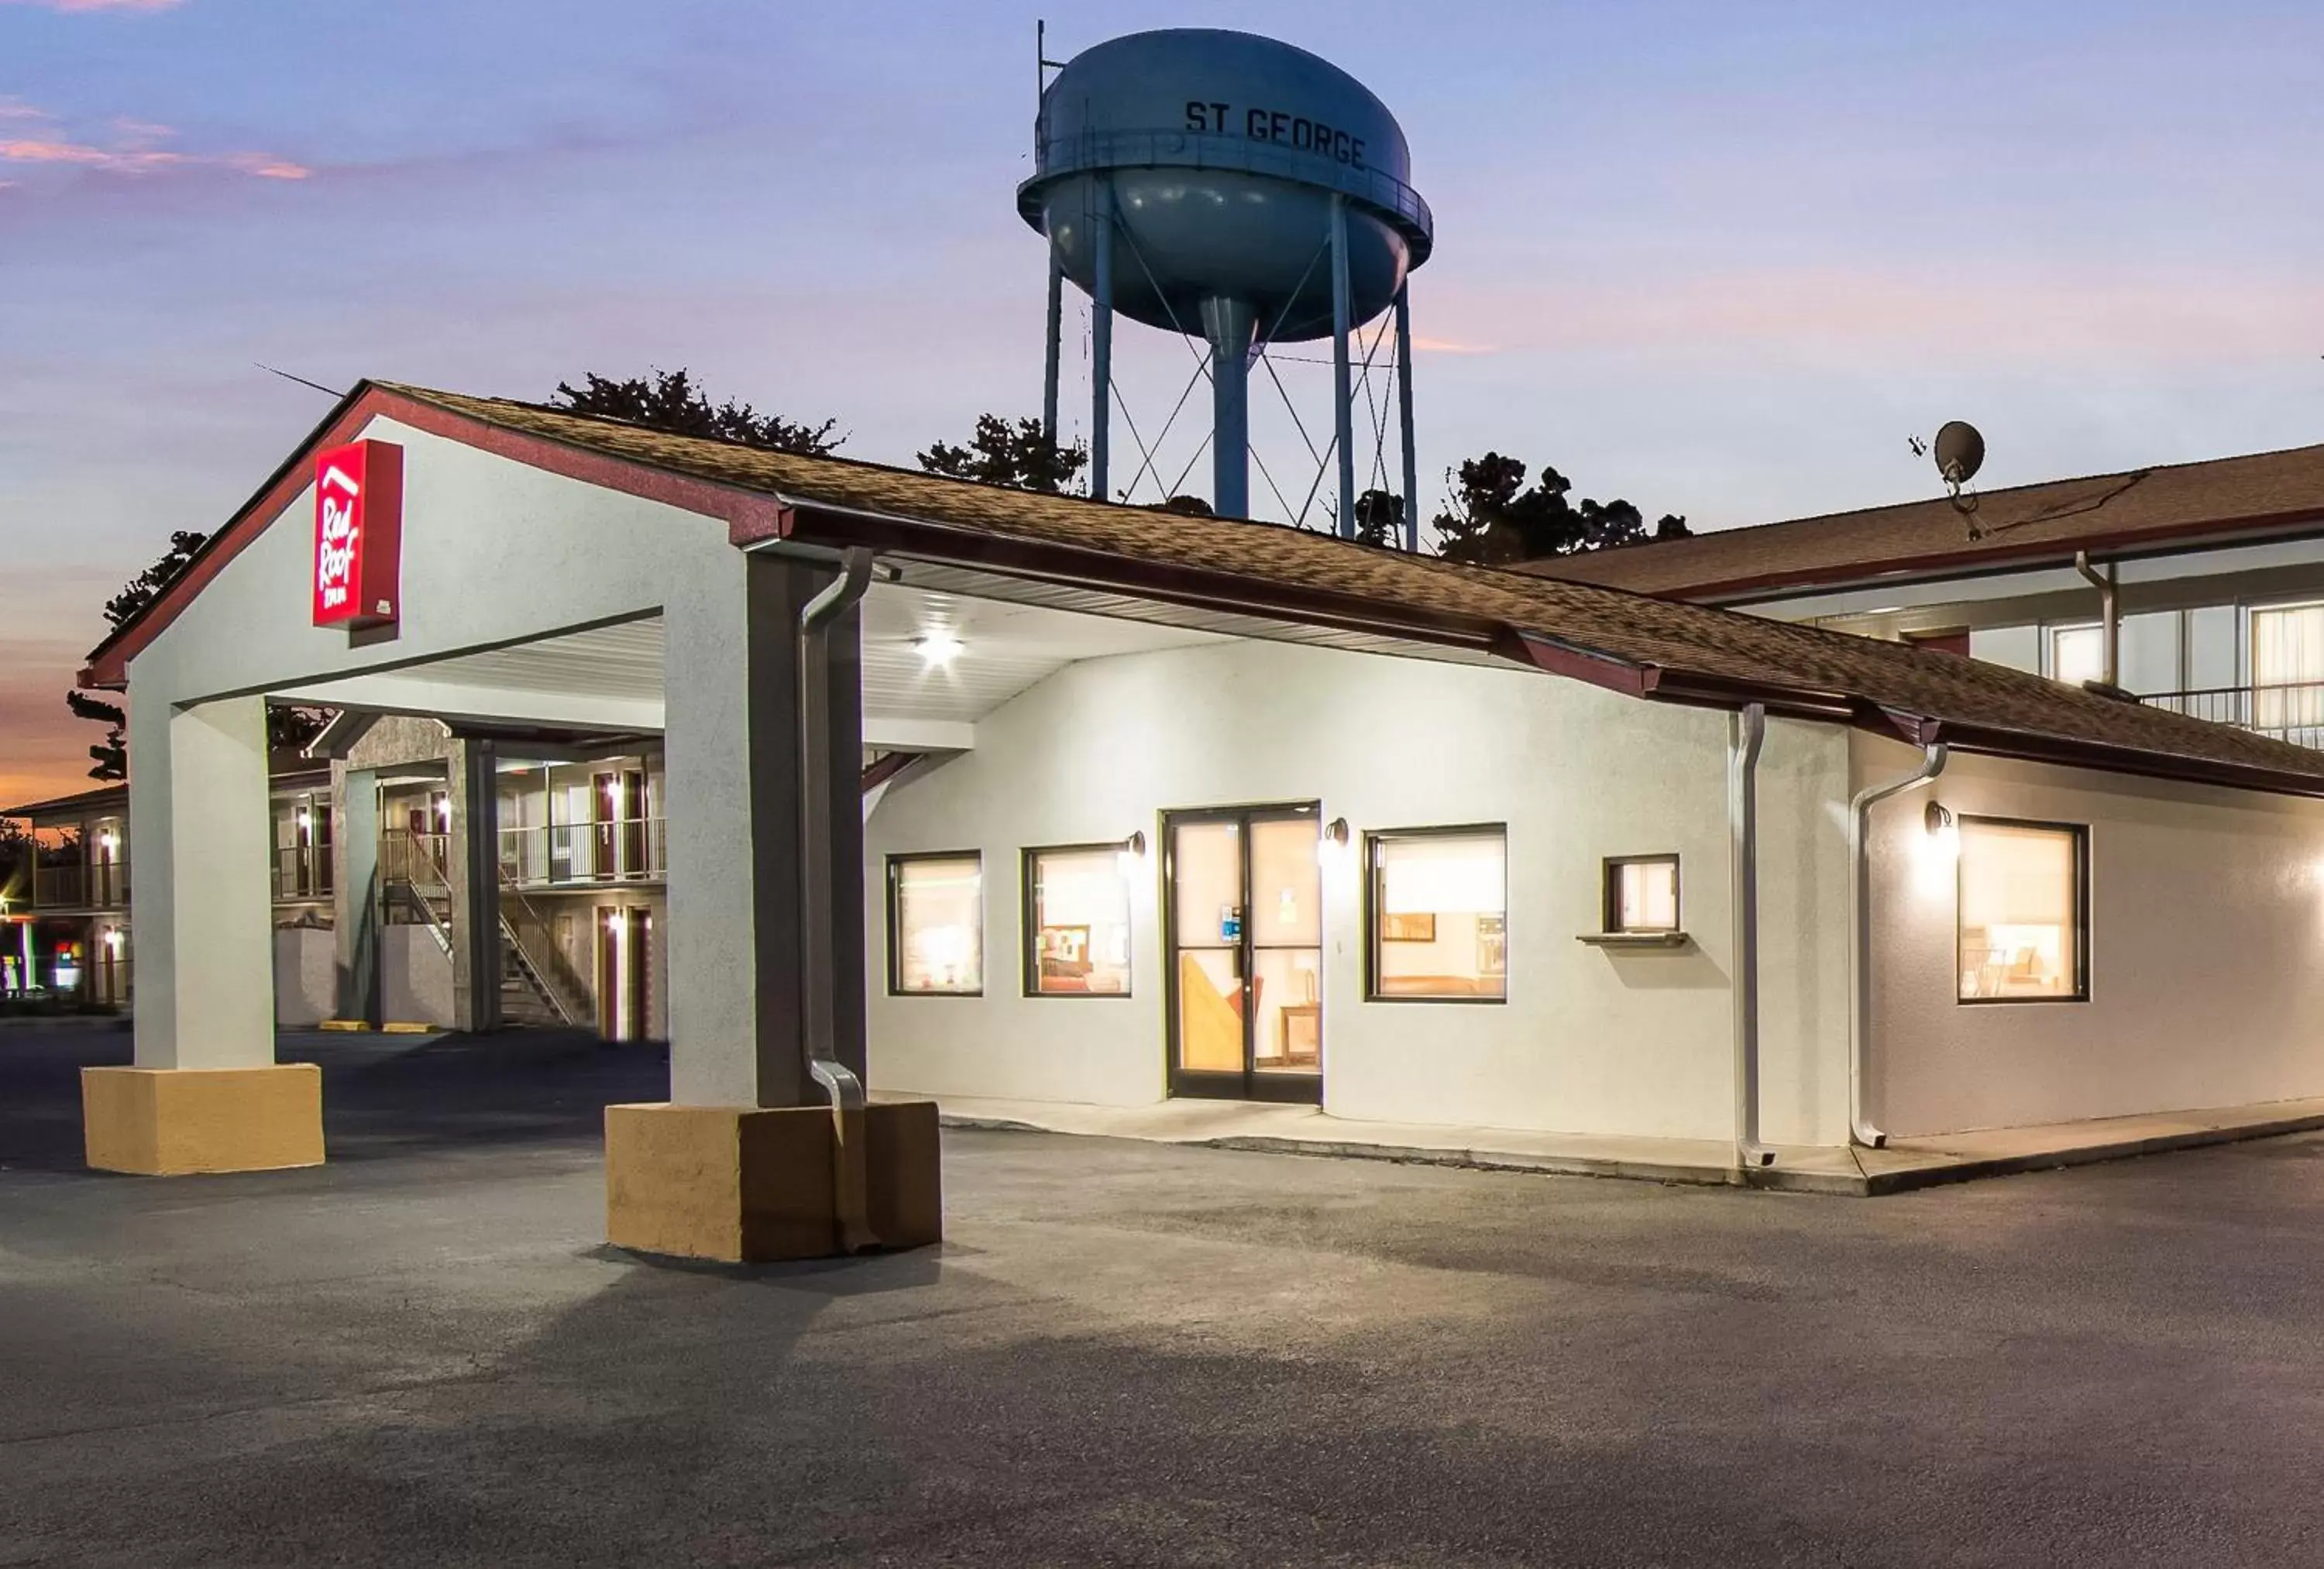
(101, 885)
(2287, 711)
(625, 849)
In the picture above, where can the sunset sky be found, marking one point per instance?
(1719, 258)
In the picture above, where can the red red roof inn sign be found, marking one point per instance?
(358, 533)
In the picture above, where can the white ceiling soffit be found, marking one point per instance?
(969, 581)
(611, 678)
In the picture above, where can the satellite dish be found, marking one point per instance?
(1960, 452)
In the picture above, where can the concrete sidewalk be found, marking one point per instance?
(1903, 1165)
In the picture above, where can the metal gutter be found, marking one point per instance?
(818, 976)
(1861, 1128)
(1743, 745)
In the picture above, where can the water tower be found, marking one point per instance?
(1221, 184)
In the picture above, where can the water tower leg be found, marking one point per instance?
(1343, 410)
(1230, 325)
(1404, 413)
(1056, 328)
(1101, 341)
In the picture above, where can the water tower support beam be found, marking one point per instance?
(1343, 406)
(1404, 413)
(1101, 341)
(1056, 331)
(1232, 326)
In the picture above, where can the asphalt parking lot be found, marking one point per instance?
(1132, 1354)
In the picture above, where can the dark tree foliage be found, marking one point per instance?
(1185, 507)
(671, 400)
(287, 729)
(1492, 516)
(1380, 518)
(1013, 452)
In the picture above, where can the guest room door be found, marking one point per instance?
(1244, 934)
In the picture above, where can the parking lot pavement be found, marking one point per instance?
(1133, 1353)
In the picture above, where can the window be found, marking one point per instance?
(2078, 654)
(1438, 913)
(2287, 667)
(1077, 922)
(2024, 932)
(1642, 894)
(935, 925)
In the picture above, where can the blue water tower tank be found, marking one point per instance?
(1204, 181)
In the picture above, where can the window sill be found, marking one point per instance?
(1629, 940)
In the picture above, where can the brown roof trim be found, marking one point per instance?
(748, 514)
(1913, 568)
(105, 795)
(815, 523)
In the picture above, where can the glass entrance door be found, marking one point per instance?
(1246, 953)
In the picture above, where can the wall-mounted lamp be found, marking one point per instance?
(1132, 855)
(613, 924)
(112, 940)
(937, 648)
(1336, 831)
(1943, 832)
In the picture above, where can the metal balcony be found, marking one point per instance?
(2287, 711)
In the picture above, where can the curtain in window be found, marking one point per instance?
(2287, 667)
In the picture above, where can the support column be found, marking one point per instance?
(1343, 411)
(1101, 341)
(1404, 415)
(355, 893)
(1232, 326)
(1055, 345)
(205, 1093)
(743, 1162)
(474, 858)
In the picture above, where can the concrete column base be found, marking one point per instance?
(171, 1122)
(758, 1184)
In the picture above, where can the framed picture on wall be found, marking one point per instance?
(1419, 927)
(1492, 945)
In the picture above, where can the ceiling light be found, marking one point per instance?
(937, 648)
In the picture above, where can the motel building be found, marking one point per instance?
(868, 790)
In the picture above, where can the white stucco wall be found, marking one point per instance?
(1589, 1040)
(2207, 919)
(415, 977)
(306, 976)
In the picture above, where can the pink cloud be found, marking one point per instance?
(133, 149)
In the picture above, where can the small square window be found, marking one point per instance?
(1642, 894)
(2023, 910)
(1077, 922)
(1438, 914)
(935, 925)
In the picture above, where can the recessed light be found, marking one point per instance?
(937, 648)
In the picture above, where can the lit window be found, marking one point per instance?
(1439, 908)
(2287, 667)
(1077, 922)
(2021, 911)
(935, 925)
(1642, 894)
(2078, 654)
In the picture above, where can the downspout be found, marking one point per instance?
(1744, 740)
(819, 984)
(1859, 954)
(2110, 613)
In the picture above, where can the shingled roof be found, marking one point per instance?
(2030, 525)
(1651, 647)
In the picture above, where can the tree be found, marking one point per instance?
(287, 729)
(1014, 452)
(1380, 518)
(671, 400)
(1492, 518)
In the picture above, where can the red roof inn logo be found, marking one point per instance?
(358, 533)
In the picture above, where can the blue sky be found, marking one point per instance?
(1721, 259)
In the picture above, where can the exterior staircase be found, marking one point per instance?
(526, 995)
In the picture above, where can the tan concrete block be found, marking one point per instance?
(757, 1184)
(166, 1122)
(905, 1173)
